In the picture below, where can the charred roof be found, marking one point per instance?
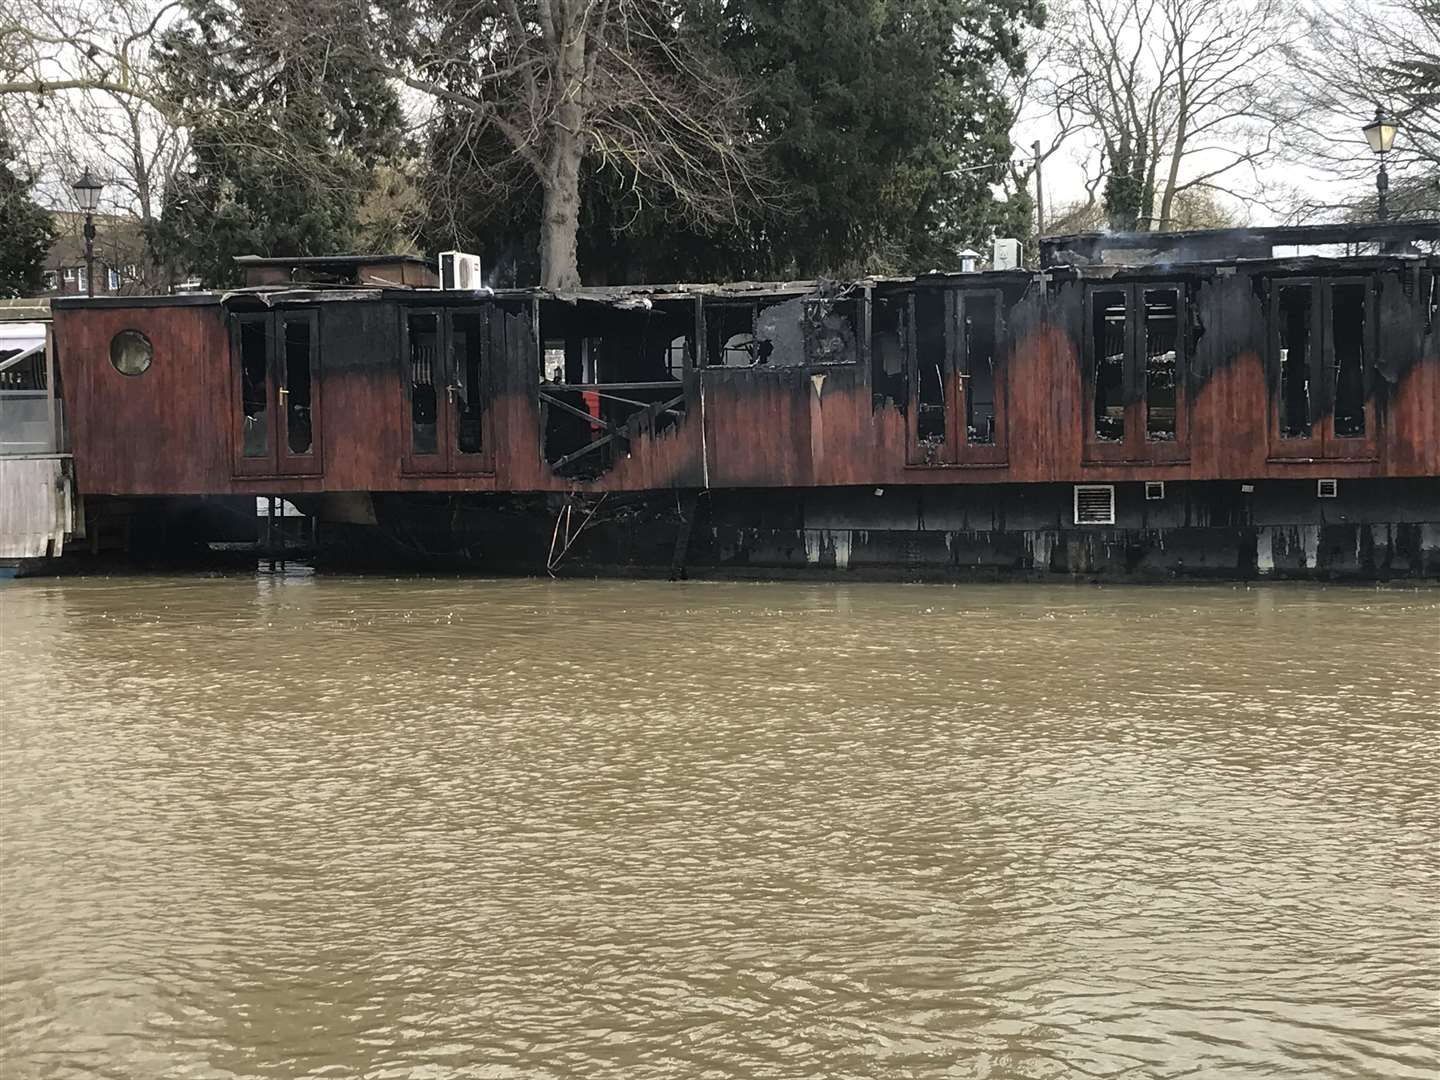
(1224, 245)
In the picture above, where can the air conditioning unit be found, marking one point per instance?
(1006, 254)
(460, 271)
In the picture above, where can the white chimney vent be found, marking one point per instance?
(1007, 254)
(967, 260)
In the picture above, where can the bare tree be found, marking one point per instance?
(1175, 92)
(78, 87)
(1352, 60)
(561, 81)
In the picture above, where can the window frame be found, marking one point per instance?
(1136, 445)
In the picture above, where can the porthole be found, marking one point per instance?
(131, 352)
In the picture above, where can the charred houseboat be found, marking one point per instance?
(1181, 404)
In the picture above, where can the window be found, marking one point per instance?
(52, 280)
(1322, 340)
(254, 389)
(1137, 349)
(81, 281)
(1162, 341)
(296, 393)
(813, 330)
(1094, 504)
(70, 273)
(424, 342)
(1347, 330)
(1154, 490)
(1110, 333)
(466, 343)
(131, 352)
(930, 426)
(978, 343)
(675, 356)
(553, 363)
(1294, 327)
(1327, 489)
(112, 280)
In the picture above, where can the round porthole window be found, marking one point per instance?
(131, 352)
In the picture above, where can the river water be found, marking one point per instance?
(288, 826)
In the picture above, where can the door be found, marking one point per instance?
(1136, 352)
(447, 390)
(957, 380)
(1322, 344)
(276, 385)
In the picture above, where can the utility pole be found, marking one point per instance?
(1039, 195)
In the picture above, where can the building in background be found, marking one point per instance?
(121, 266)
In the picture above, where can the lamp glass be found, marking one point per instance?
(87, 192)
(1380, 134)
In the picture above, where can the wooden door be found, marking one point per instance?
(980, 421)
(447, 390)
(276, 388)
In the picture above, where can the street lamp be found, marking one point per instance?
(87, 196)
(1380, 134)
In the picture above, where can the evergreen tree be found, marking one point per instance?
(26, 230)
(883, 129)
(283, 153)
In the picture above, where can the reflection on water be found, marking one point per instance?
(290, 826)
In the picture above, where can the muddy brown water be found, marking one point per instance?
(287, 826)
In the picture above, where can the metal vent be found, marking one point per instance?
(1327, 489)
(1094, 504)
(1154, 490)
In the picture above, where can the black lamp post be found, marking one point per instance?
(87, 195)
(1380, 134)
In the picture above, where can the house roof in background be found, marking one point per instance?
(118, 240)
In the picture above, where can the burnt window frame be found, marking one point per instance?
(934, 330)
(709, 353)
(1135, 444)
(448, 457)
(1322, 442)
(972, 451)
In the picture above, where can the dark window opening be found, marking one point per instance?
(1109, 331)
(979, 349)
(467, 332)
(424, 339)
(677, 357)
(1294, 308)
(610, 373)
(254, 388)
(1162, 342)
(828, 325)
(1347, 330)
(887, 351)
(815, 330)
(299, 436)
(930, 366)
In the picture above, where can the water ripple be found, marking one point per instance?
(289, 826)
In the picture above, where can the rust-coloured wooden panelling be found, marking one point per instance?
(161, 432)
(171, 430)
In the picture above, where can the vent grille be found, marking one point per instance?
(1327, 489)
(1094, 504)
(1154, 490)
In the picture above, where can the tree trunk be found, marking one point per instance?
(560, 215)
